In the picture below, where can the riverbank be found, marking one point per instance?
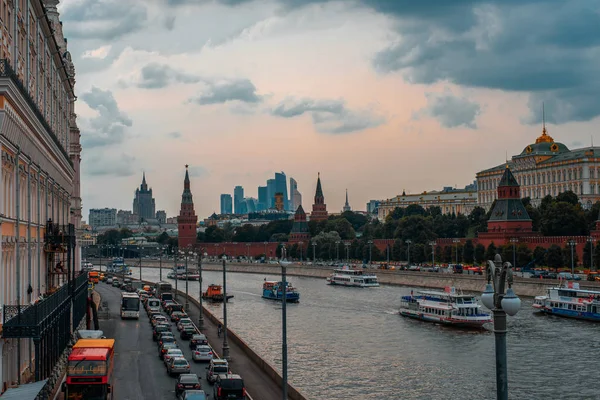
(527, 287)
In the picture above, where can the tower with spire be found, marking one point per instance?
(319, 208)
(187, 219)
(346, 205)
(300, 231)
(509, 216)
(144, 205)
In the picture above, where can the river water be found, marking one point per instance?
(346, 343)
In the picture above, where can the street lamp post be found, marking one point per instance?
(337, 250)
(501, 304)
(370, 242)
(266, 243)
(187, 254)
(408, 242)
(572, 244)
(514, 242)
(432, 244)
(284, 360)
(591, 241)
(387, 248)
(100, 247)
(347, 245)
(314, 245)
(300, 244)
(175, 253)
(162, 249)
(201, 317)
(456, 242)
(225, 344)
(140, 255)
(248, 251)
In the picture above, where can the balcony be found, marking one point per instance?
(6, 71)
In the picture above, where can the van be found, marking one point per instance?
(153, 304)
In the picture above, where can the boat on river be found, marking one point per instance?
(346, 276)
(570, 301)
(449, 307)
(190, 275)
(273, 290)
(214, 293)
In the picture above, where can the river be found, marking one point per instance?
(348, 343)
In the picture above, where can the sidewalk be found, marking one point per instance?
(258, 383)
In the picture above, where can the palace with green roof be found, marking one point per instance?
(546, 168)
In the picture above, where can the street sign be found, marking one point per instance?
(90, 286)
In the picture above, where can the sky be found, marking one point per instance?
(379, 96)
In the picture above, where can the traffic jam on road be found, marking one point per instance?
(171, 326)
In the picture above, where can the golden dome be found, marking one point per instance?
(544, 138)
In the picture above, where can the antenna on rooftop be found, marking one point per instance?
(543, 118)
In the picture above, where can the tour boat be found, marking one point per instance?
(352, 277)
(448, 307)
(190, 275)
(273, 290)
(118, 266)
(570, 301)
(214, 293)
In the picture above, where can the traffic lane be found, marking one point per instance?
(138, 372)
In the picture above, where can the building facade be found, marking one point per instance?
(263, 201)
(281, 187)
(373, 206)
(238, 199)
(319, 208)
(300, 231)
(187, 219)
(161, 217)
(126, 217)
(39, 141)
(143, 203)
(226, 204)
(546, 168)
(103, 217)
(450, 201)
(271, 190)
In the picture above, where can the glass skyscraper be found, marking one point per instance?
(226, 204)
(238, 199)
(263, 199)
(281, 187)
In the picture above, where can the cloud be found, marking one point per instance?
(104, 19)
(158, 76)
(174, 135)
(576, 143)
(103, 164)
(329, 116)
(223, 91)
(99, 53)
(450, 110)
(197, 171)
(492, 45)
(109, 126)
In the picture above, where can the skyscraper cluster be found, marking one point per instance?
(274, 189)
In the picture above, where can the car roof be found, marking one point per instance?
(219, 361)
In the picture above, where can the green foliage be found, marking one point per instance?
(468, 252)
(539, 256)
(490, 252)
(479, 253)
(554, 257)
(114, 236)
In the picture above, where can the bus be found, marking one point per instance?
(93, 276)
(89, 370)
(130, 305)
(162, 287)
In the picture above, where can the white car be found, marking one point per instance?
(202, 353)
(172, 353)
(183, 322)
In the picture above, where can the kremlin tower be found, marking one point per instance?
(509, 216)
(319, 208)
(300, 231)
(187, 219)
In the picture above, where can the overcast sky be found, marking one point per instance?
(379, 96)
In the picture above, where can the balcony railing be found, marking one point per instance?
(6, 71)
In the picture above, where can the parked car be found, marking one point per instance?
(216, 367)
(229, 387)
(202, 353)
(178, 365)
(198, 339)
(186, 382)
(171, 353)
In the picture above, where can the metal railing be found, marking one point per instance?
(6, 71)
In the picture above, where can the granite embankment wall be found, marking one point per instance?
(470, 283)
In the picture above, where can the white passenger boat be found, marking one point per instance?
(570, 301)
(352, 277)
(448, 307)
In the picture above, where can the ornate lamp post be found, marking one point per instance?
(248, 251)
(432, 244)
(187, 254)
(456, 242)
(175, 253)
(408, 242)
(314, 245)
(370, 242)
(501, 303)
(162, 249)
(572, 244)
(284, 360)
(514, 242)
(140, 255)
(201, 317)
(225, 344)
(337, 250)
(591, 241)
(347, 245)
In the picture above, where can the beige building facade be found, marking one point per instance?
(40, 147)
(546, 168)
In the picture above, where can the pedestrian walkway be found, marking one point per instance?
(258, 383)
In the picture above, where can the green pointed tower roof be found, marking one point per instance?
(319, 192)
(508, 179)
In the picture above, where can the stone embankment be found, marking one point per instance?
(528, 287)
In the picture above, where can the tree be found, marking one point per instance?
(554, 257)
(468, 252)
(568, 197)
(479, 255)
(563, 219)
(587, 255)
(490, 252)
(163, 238)
(524, 255)
(539, 256)
(569, 261)
(447, 254)
(214, 234)
(398, 251)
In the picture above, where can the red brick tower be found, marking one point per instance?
(509, 216)
(319, 208)
(300, 231)
(187, 219)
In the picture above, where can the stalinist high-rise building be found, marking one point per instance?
(143, 203)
